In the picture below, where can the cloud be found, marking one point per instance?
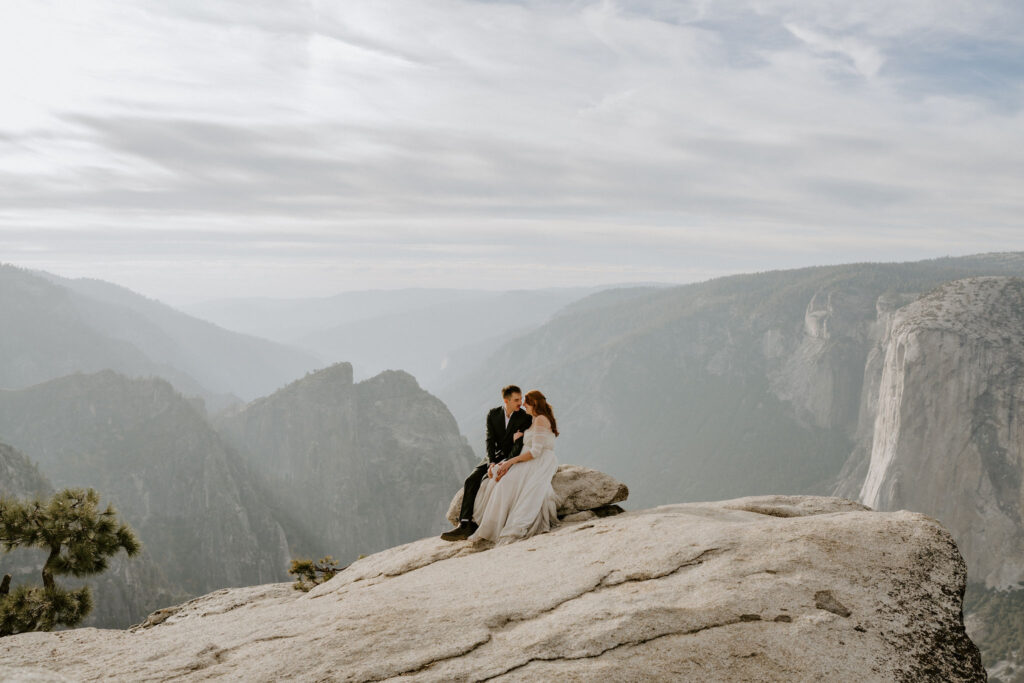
(739, 134)
(866, 59)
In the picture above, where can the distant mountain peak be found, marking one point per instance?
(393, 378)
(340, 376)
(339, 372)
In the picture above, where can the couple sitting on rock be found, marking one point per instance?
(509, 496)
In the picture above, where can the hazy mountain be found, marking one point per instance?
(204, 518)
(422, 331)
(54, 327)
(772, 383)
(288, 320)
(737, 386)
(19, 476)
(45, 335)
(363, 466)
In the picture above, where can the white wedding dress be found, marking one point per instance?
(522, 503)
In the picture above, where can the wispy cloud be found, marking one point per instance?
(743, 135)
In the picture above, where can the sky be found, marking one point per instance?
(195, 150)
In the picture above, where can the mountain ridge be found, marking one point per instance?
(382, 451)
(56, 326)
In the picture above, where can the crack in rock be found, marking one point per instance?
(691, 562)
(212, 655)
(603, 584)
(395, 572)
(426, 665)
(503, 622)
(500, 622)
(641, 641)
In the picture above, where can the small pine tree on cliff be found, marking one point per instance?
(80, 538)
(312, 573)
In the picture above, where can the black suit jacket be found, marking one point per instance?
(500, 445)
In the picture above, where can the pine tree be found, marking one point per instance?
(79, 537)
(312, 573)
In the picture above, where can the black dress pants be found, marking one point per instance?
(470, 491)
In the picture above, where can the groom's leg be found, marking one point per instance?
(470, 491)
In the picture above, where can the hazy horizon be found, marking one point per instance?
(174, 299)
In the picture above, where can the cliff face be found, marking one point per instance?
(948, 435)
(203, 517)
(773, 383)
(773, 588)
(362, 466)
(819, 370)
(19, 476)
(736, 386)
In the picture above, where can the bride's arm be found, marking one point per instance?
(539, 422)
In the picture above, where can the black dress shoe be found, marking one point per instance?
(461, 532)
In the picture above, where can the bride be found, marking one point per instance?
(517, 501)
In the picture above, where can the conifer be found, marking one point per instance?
(80, 538)
(312, 573)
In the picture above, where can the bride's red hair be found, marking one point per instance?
(540, 406)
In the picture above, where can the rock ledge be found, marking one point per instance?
(769, 588)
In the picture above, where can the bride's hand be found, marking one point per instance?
(502, 469)
(517, 436)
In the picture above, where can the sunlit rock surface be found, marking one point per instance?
(768, 588)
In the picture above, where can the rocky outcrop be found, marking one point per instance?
(363, 466)
(775, 588)
(582, 493)
(948, 436)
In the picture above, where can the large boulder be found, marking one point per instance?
(766, 589)
(578, 489)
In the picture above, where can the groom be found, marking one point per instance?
(505, 427)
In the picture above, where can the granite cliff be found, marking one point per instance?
(948, 436)
(947, 439)
(363, 466)
(772, 588)
(737, 386)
